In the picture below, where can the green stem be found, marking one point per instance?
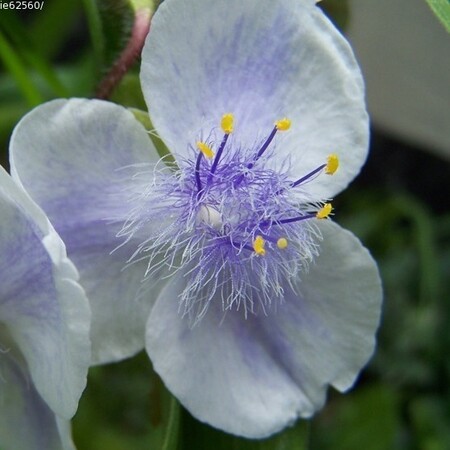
(173, 426)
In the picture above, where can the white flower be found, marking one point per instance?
(252, 302)
(44, 328)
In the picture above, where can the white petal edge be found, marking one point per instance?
(59, 378)
(254, 377)
(262, 63)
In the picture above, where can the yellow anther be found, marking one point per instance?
(258, 246)
(205, 149)
(325, 211)
(332, 164)
(282, 243)
(283, 124)
(227, 123)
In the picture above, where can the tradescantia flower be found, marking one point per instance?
(252, 301)
(44, 328)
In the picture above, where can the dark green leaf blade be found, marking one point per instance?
(198, 436)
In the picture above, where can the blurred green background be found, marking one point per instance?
(398, 206)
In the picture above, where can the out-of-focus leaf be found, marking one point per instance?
(368, 419)
(337, 10)
(23, 45)
(432, 423)
(117, 19)
(96, 30)
(19, 72)
(385, 214)
(442, 10)
(128, 93)
(125, 25)
(79, 77)
(51, 27)
(10, 113)
(125, 406)
(198, 436)
(401, 232)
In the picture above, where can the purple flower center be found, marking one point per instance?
(232, 223)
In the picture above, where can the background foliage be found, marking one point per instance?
(398, 207)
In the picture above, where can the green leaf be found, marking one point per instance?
(337, 11)
(10, 113)
(19, 72)
(23, 45)
(442, 10)
(95, 29)
(368, 419)
(129, 93)
(126, 406)
(198, 436)
(117, 19)
(125, 25)
(50, 28)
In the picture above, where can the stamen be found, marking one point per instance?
(205, 149)
(282, 243)
(197, 171)
(219, 153)
(332, 164)
(325, 211)
(227, 123)
(280, 125)
(309, 175)
(290, 220)
(258, 246)
(330, 168)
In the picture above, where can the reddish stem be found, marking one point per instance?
(129, 55)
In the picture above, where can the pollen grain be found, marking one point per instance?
(205, 149)
(332, 164)
(258, 246)
(227, 123)
(283, 124)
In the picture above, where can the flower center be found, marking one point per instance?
(239, 178)
(231, 221)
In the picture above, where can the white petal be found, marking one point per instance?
(71, 156)
(120, 303)
(254, 376)
(261, 62)
(334, 321)
(42, 308)
(27, 422)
